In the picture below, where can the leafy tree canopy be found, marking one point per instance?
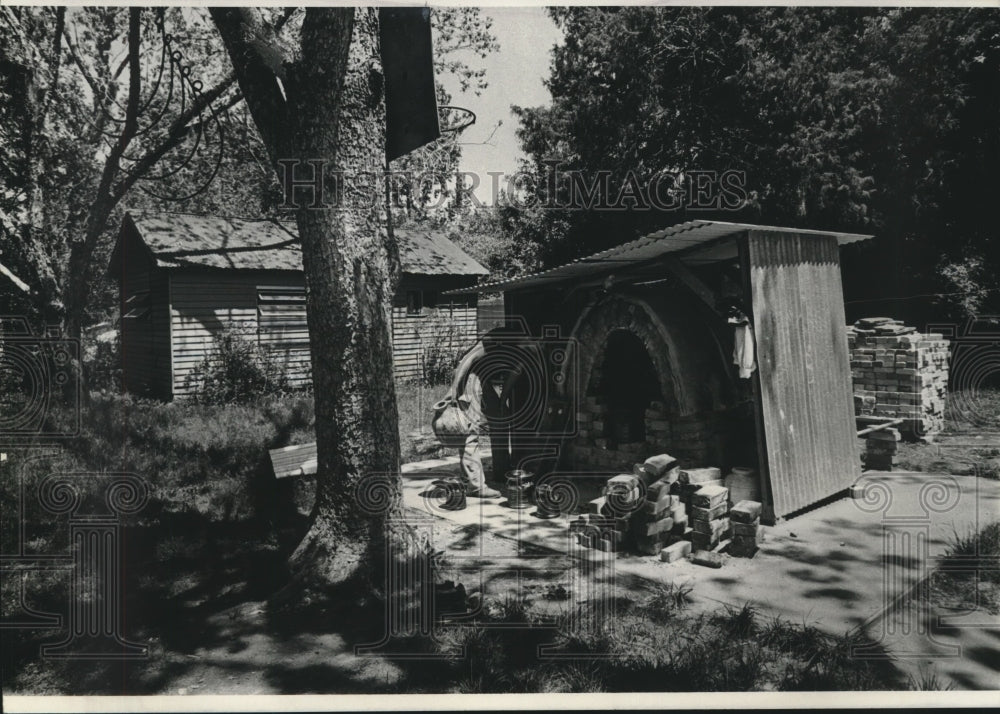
(874, 120)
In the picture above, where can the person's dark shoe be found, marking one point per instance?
(484, 492)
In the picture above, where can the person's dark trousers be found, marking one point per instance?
(496, 415)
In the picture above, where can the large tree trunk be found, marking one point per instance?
(351, 266)
(330, 107)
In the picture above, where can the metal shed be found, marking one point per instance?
(788, 278)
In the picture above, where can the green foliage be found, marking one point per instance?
(237, 370)
(862, 119)
(638, 649)
(974, 554)
(667, 600)
(104, 364)
(442, 346)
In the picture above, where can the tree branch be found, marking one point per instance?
(54, 63)
(112, 165)
(176, 133)
(254, 56)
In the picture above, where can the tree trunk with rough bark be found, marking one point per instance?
(324, 101)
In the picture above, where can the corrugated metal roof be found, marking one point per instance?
(185, 240)
(649, 247)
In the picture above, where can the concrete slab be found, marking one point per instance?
(843, 565)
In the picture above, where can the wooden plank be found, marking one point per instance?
(295, 460)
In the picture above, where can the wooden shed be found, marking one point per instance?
(185, 278)
(652, 356)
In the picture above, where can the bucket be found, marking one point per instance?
(743, 484)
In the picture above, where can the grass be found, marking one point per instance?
(643, 649)
(414, 401)
(968, 576)
(973, 413)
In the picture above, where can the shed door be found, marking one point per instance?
(805, 376)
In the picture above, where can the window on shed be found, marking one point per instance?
(414, 302)
(137, 305)
(281, 316)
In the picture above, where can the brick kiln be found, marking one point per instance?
(652, 345)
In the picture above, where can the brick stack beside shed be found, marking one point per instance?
(899, 373)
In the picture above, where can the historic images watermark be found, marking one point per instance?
(40, 389)
(81, 518)
(314, 184)
(421, 602)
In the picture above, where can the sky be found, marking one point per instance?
(515, 73)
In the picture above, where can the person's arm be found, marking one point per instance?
(464, 365)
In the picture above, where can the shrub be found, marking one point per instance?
(443, 345)
(104, 364)
(237, 370)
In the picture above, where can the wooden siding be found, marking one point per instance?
(805, 375)
(205, 302)
(451, 327)
(145, 339)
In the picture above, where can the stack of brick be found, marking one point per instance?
(606, 522)
(693, 436)
(592, 445)
(880, 448)
(708, 514)
(661, 516)
(899, 373)
(639, 505)
(658, 424)
(690, 480)
(599, 531)
(746, 531)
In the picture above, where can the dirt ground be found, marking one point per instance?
(222, 643)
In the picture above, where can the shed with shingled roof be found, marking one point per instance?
(184, 279)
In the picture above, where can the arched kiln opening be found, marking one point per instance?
(626, 384)
(645, 386)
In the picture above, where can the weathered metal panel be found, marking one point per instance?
(805, 375)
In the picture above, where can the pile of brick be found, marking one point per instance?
(899, 373)
(660, 508)
(709, 516)
(592, 445)
(880, 449)
(639, 506)
(746, 531)
(693, 437)
(661, 516)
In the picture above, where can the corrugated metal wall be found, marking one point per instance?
(805, 376)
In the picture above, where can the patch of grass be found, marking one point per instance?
(975, 551)
(740, 623)
(414, 400)
(729, 650)
(666, 600)
(972, 411)
(967, 412)
(967, 577)
(928, 681)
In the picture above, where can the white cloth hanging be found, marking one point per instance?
(743, 347)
